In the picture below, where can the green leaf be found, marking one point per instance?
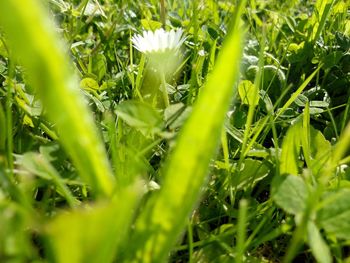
(248, 92)
(335, 213)
(3, 66)
(150, 24)
(99, 66)
(89, 84)
(316, 111)
(140, 116)
(296, 52)
(267, 101)
(318, 246)
(290, 193)
(332, 59)
(176, 114)
(319, 104)
(291, 150)
(320, 150)
(301, 100)
(252, 171)
(38, 164)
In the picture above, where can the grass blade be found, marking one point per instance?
(94, 234)
(241, 229)
(164, 217)
(297, 93)
(25, 21)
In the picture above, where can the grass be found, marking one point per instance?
(247, 163)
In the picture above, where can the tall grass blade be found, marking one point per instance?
(291, 150)
(2, 130)
(341, 148)
(241, 232)
(297, 92)
(33, 39)
(93, 234)
(164, 217)
(321, 13)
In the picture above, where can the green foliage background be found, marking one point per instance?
(249, 163)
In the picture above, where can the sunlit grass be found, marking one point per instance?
(229, 145)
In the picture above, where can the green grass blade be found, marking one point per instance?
(2, 130)
(291, 150)
(93, 234)
(321, 13)
(165, 216)
(319, 247)
(297, 93)
(340, 150)
(33, 39)
(241, 230)
(305, 137)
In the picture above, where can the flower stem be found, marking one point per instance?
(162, 12)
(164, 90)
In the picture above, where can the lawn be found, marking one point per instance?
(174, 131)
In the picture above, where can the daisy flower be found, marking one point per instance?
(162, 50)
(159, 41)
(161, 47)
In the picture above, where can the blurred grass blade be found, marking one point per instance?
(95, 233)
(242, 228)
(164, 217)
(2, 130)
(321, 13)
(33, 39)
(340, 150)
(305, 135)
(319, 247)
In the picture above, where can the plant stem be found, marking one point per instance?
(162, 12)
(9, 135)
(241, 229)
(164, 90)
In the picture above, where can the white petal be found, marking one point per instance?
(158, 41)
(163, 41)
(171, 39)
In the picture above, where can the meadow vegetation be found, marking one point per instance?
(236, 152)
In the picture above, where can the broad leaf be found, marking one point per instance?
(290, 193)
(320, 150)
(140, 116)
(334, 215)
(248, 92)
